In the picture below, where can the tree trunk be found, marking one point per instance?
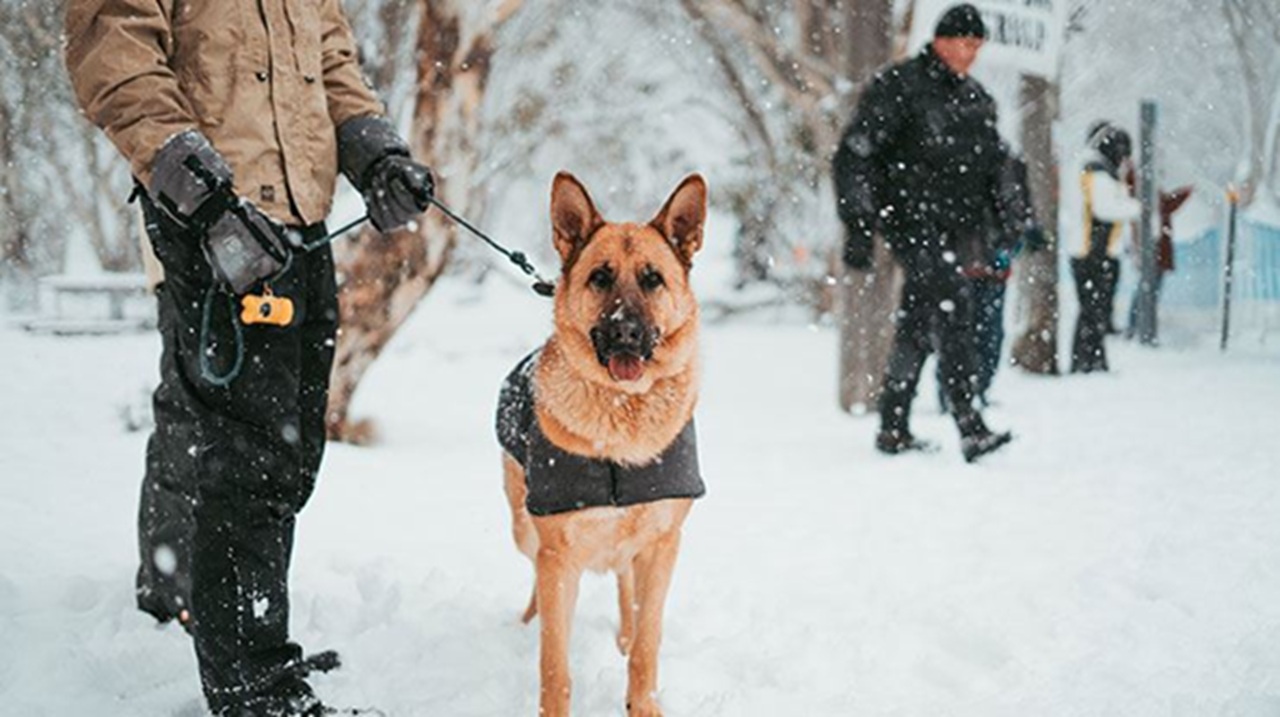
(867, 298)
(1036, 348)
(382, 278)
(15, 236)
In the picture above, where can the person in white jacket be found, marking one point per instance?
(1108, 206)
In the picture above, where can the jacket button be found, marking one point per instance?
(262, 76)
(309, 79)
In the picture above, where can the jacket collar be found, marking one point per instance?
(937, 69)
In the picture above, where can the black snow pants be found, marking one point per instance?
(166, 509)
(1095, 278)
(936, 309)
(229, 467)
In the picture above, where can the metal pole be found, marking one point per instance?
(1233, 200)
(1146, 314)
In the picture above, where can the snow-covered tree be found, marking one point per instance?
(61, 180)
(382, 278)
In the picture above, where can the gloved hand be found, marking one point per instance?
(376, 161)
(192, 184)
(1034, 239)
(399, 190)
(190, 181)
(1001, 260)
(859, 247)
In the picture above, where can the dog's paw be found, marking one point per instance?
(624, 642)
(647, 707)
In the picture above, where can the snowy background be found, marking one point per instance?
(1121, 557)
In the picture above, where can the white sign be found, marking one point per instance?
(1023, 34)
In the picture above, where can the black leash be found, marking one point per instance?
(541, 286)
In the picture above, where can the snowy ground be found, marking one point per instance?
(1122, 558)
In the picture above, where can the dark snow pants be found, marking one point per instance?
(988, 339)
(253, 448)
(1111, 286)
(166, 509)
(935, 309)
(1095, 277)
(988, 332)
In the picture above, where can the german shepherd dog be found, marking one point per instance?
(599, 459)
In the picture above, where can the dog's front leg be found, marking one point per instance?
(626, 609)
(557, 592)
(653, 568)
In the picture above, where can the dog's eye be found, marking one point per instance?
(601, 278)
(650, 279)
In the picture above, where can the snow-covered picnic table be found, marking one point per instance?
(115, 288)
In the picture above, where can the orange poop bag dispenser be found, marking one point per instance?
(266, 309)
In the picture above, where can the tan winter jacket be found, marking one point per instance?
(267, 81)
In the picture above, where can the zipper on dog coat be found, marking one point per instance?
(559, 481)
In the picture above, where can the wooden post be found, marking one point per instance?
(867, 298)
(1036, 348)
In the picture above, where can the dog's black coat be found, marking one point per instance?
(559, 481)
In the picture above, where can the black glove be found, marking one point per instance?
(376, 161)
(190, 181)
(859, 247)
(192, 184)
(1034, 239)
(399, 190)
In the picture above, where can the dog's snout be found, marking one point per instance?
(626, 332)
(623, 333)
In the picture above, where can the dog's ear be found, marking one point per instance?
(573, 217)
(682, 218)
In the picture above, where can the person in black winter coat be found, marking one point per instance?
(921, 163)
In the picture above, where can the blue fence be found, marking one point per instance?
(1196, 281)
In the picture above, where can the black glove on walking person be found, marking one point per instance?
(859, 243)
(1034, 239)
(192, 184)
(396, 189)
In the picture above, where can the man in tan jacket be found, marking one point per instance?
(236, 117)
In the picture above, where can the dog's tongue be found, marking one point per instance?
(625, 367)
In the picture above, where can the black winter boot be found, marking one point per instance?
(976, 440)
(895, 413)
(291, 695)
(895, 441)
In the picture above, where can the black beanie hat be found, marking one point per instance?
(961, 21)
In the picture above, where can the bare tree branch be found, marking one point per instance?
(805, 78)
